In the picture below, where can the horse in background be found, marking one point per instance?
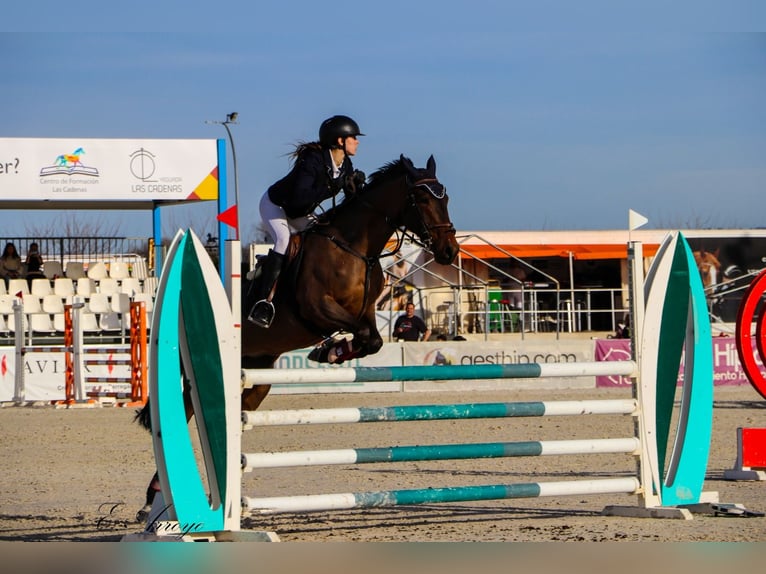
(709, 267)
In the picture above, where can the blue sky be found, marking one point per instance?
(562, 125)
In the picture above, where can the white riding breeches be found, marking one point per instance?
(278, 223)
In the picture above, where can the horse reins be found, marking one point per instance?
(370, 261)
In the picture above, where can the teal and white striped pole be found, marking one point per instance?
(251, 377)
(346, 501)
(251, 419)
(439, 452)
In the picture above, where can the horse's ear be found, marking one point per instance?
(431, 166)
(409, 166)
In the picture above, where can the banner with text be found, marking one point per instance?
(727, 370)
(108, 169)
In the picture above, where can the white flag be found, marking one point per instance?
(636, 220)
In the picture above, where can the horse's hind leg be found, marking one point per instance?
(154, 483)
(151, 493)
(253, 397)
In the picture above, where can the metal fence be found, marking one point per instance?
(84, 249)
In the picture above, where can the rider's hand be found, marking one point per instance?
(354, 182)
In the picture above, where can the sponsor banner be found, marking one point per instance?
(497, 352)
(108, 169)
(44, 376)
(727, 370)
(613, 350)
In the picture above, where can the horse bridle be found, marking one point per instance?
(427, 229)
(438, 194)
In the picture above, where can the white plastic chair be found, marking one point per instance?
(18, 286)
(150, 285)
(89, 322)
(75, 270)
(59, 324)
(108, 285)
(97, 270)
(3, 290)
(131, 286)
(6, 309)
(63, 286)
(99, 303)
(53, 269)
(121, 307)
(118, 270)
(108, 319)
(6, 304)
(120, 303)
(139, 268)
(39, 320)
(53, 304)
(41, 323)
(32, 304)
(41, 287)
(85, 287)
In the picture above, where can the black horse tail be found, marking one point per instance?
(143, 416)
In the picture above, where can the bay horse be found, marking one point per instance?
(333, 281)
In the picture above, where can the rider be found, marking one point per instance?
(320, 171)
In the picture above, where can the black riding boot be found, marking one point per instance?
(262, 313)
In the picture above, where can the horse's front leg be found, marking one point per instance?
(366, 341)
(369, 341)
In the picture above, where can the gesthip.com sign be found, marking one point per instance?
(108, 169)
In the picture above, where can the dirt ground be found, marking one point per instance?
(81, 475)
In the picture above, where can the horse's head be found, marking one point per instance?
(426, 213)
(709, 266)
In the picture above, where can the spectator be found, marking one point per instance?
(10, 263)
(623, 329)
(34, 264)
(409, 326)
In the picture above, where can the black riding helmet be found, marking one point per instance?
(337, 127)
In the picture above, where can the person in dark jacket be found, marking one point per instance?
(321, 170)
(408, 327)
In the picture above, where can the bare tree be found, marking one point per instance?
(73, 224)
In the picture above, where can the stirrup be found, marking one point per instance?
(262, 313)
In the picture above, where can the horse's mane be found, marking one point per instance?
(389, 171)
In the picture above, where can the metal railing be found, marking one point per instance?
(65, 249)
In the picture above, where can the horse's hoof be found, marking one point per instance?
(340, 352)
(319, 354)
(143, 514)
